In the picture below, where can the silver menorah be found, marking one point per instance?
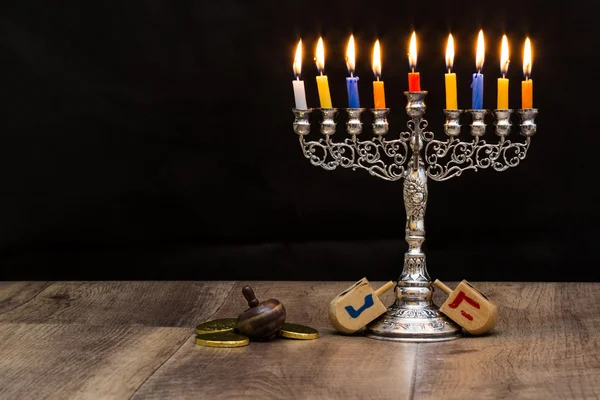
(413, 316)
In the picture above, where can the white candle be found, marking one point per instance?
(299, 92)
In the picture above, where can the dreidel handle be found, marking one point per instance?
(384, 288)
(443, 287)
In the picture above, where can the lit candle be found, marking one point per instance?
(527, 84)
(299, 92)
(378, 92)
(477, 84)
(503, 82)
(414, 79)
(351, 81)
(322, 83)
(451, 99)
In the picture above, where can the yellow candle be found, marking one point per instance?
(503, 82)
(322, 83)
(527, 84)
(451, 97)
(378, 91)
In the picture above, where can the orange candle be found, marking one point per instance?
(414, 78)
(378, 91)
(527, 84)
(450, 77)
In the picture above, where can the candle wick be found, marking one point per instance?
(503, 76)
(351, 74)
(377, 78)
(413, 69)
(448, 69)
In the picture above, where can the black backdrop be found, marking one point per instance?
(153, 140)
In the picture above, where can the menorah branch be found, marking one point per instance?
(448, 159)
(380, 157)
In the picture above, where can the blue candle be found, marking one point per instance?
(352, 81)
(477, 87)
(352, 86)
(477, 84)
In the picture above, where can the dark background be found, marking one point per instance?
(153, 140)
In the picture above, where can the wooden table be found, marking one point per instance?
(136, 339)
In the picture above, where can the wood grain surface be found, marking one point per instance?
(179, 304)
(546, 346)
(64, 361)
(14, 294)
(116, 340)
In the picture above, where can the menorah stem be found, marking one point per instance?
(414, 283)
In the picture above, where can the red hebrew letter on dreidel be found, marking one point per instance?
(459, 299)
(469, 308)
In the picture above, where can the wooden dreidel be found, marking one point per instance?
(469, 308)
(262, 321)
(356, 306)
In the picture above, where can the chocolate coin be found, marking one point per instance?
(295, 331)
(222, 339)
(216, 325)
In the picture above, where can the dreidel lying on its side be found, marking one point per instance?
(356, 306)
(469, 308)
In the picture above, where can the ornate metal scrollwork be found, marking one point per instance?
(380, 157)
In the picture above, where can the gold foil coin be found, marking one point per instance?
(295, 331)
(222, 339)
(217, 325)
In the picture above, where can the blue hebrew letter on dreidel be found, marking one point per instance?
(356, 313)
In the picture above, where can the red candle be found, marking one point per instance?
(414, 82)
(414, 78)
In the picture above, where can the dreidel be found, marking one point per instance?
(356, 306)
(469, 308)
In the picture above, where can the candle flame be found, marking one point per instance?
(527, 59)
(298, 60)
(412, 51)
(320, 57)
(450, 53)
(377, 60)
(504, 61)
(350, 55)
(480, 51)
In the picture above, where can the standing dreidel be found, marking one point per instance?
(469, 308)
(356, 306)
(262, 321)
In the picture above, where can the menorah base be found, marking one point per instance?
(413, 323)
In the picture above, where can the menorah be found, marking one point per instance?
(413, 316)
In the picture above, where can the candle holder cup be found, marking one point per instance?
(328, 124)
(415, 156)
(302, 122)
(502, 123)
(528, 126)
(452, 125)
(478, 125)
(354, 125)
(380, 122)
